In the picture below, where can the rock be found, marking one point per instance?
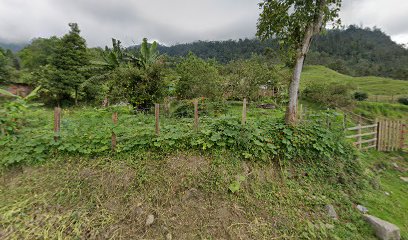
(149, 220)
(362, 209)
(387, 193)
(398, 168)
(331, 211)
(191, 193)
(383, 230)
(405, 179)
(266, 106)
(169, 236)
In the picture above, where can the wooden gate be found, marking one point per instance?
(366, 136)
(384, 135)
(390, 135)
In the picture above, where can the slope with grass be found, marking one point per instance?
(386, 193)
(372, 85)
(188, 193)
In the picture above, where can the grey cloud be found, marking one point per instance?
(169, 22)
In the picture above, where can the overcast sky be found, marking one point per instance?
(171, 21)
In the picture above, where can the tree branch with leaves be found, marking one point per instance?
(294, 23)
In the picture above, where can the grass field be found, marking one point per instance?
(384, 88)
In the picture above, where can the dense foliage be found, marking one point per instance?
(360, 96)
(246, 77)
(89, 133)
(329, 94)
(198, 78)
(360, 52)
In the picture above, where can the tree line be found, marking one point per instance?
(354, 51)
(70, 73)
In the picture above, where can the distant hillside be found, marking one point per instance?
(353, 51)
(374, 86)
(360, 52)
(15, 47)
(222, 51)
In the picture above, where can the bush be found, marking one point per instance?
(360, 96)
(403, 100)
(198, 78)
(245, 78)
(140, 87)
(186, 109)
(329, 94)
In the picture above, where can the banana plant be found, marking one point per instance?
(148, 54)
(12, 112)
(33, 94)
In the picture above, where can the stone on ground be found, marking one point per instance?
(383, 230)
(362, 209)
(331, 211)
(405, 179)
(149, 220)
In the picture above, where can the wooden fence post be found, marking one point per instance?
(57, 123)
(344, 121)
(115, 121)
(359, 133)
(378, 136)
(157, 118)
(195, 102)
(244, 111)
(402, 137)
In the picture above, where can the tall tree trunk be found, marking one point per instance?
(312, 29)
(291, 110)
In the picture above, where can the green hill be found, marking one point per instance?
(378, 88)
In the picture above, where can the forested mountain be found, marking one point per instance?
(361, 52)
(354, 51)
(222, 51)
(13, 46)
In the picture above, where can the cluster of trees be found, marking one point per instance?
(9, 65)
(69, 72)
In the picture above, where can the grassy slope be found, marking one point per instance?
(385, 178)
(188, 194)
(371, 85)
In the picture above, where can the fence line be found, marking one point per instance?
(383, 135)
(115, 121)
(57, 123)
(157, 118)
(244, 111)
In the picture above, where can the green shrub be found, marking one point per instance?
(329, 94)
(360, 96)
(140, 87)
(89, 133)
(198, 78)
(185, 109)
(403, 100)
